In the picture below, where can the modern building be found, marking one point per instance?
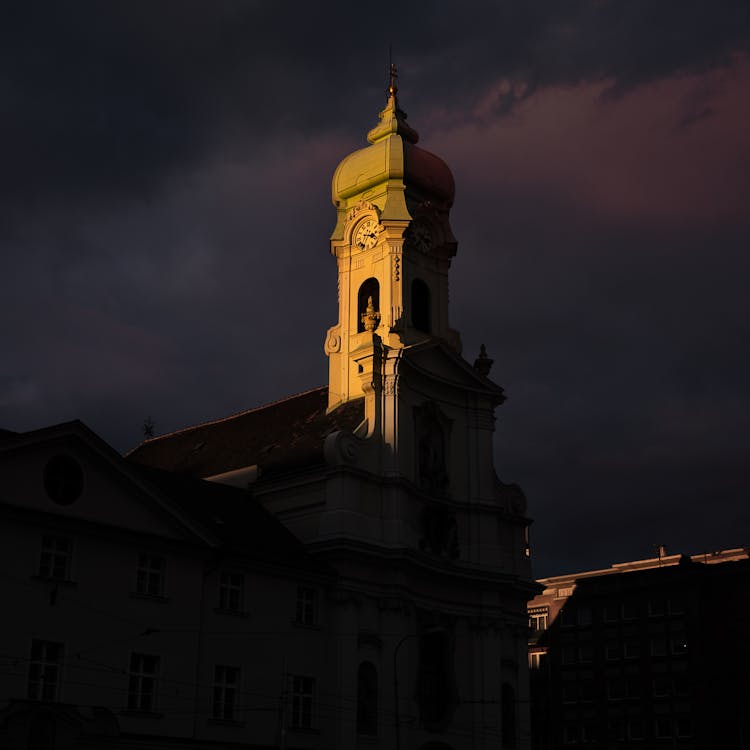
(644, 654)
(391, 612)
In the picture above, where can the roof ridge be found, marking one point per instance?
(209, 422)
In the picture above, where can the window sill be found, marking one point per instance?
(226, 722)
(141, 714)
(149, 597)
(231, 612)
(65, 582)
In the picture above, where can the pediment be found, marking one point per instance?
(69, 471)
(437, 362)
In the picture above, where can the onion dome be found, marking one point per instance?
(393, 172)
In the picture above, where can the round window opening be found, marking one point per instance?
(63, 480)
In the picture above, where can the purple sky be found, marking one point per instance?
(165, 212)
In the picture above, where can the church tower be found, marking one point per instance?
(393, 244)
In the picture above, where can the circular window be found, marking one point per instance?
(63, 480)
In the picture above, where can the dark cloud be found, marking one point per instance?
(165, 209)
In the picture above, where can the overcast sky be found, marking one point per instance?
(165, 213)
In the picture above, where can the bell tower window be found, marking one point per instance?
(370, 288)
(420, 305)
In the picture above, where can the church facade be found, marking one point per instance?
(411, 610)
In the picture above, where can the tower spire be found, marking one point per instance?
(392, 88)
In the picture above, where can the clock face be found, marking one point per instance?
(366, 234)
(421, 236)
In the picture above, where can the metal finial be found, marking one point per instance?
(392, 88)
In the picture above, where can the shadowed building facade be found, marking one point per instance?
(645, 654)
(415, 595)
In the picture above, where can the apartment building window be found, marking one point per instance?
(231, 589)
(679, 646)
(56, 558)
(45, 666)
(617, 730)
(570, 693)
(632, 687)
(658, 647)
(631, 649)
(570, 734)
(539, 619)
(150, 575)
(536, 658)
(569, 654)
(303, 699)
(662, 727)
(616, 688)
(656, 607)
(567, 617)
(635, 729)
(681, 685)
(661, 687)
(676, 606)
(584, 616)
(307, 606)
(585, 653)
(629, 611)
(142, 682)
(612, 651)
(612, 612)
(226, 693)
(684, 726)
(587, 691)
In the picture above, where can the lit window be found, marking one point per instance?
(679, 646)
(143, 672)
(303, 697)
(230, 591)
(226, 689)
(307, 606)
(536, 658)
(150, 575)
(662, 727)
(44, 670)
(539, 618)
(55, 559)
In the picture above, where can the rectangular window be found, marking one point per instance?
(612, 612)
(303, 697)
(567, 617)
(587, 692)
(539, 619)
(307, 606)
(570, 734)
(536, 658)
(584, 616)
(658, 647)
(150, 576)
(143, 674)
(632, 687)
(681, 685)
(570, 693)
(616, 689)
(631, 649)
(231, 586)
(662, 727)
(612, 651)
(45, 665)
(55, 559)
(585, 653)
(569, 654)
(679, 645)
(684, 726)
(635, 729)
(226, 692)
(617, 730)
(629, 611)
(656, 607)
(676, 606)
(661, 687)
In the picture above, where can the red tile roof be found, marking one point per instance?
(278, 437)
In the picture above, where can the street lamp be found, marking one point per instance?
(397, 717)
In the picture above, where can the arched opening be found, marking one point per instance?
(369, 288)
(508, 718)
(420, 305)
(367, 699)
